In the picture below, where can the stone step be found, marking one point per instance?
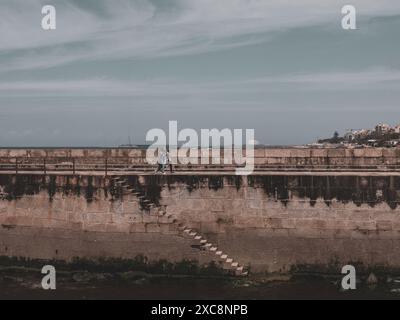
(229, 263)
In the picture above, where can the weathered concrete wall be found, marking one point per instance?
(272, 223)
(67, 217)
(378, 157)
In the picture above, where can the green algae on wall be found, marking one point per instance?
(116, 265)
(358, 190)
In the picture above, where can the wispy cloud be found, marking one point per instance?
(361, 78)
(143, 29)
(113, 65)
(161, 88)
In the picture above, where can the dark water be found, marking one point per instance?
(27, 285)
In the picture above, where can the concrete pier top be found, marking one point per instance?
(211, 173)
(262, 152)
(266, 161)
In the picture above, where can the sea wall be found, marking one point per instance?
(311, 157)
(269, 223)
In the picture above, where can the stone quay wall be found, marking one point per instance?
(379, 158)
(269, 223)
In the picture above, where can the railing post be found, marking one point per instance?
(16, 165)
(106, 167)
(44, 166)
(73, 166)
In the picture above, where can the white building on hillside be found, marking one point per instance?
(382, 128)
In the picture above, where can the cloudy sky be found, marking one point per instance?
(114, 69)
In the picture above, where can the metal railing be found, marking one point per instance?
(74, 166)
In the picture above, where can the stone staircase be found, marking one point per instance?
(228, 262)
(145, 203)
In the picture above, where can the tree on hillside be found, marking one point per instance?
(335, 138)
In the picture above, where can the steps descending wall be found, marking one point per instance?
(228, 263)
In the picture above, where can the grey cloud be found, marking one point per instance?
(119, 68)
(145, 29)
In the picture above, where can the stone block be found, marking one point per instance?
(153, 228)
(137, 228)
(384, 225)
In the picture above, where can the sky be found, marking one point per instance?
(116, 69)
